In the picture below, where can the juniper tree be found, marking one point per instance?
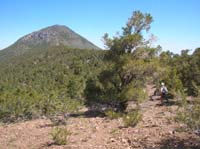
(129, 62)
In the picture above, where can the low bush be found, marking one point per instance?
(132, 118)
(189, 114)
(15, 108)
(112, 114)
(60, 136)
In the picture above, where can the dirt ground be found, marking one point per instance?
(156, 130)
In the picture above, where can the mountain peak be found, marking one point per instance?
(55, 35)
(56, 26)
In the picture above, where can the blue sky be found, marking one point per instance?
(176, 22)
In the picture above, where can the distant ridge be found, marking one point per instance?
(56, 35)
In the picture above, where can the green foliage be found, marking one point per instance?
(132, 118)
(172, 80)
(181, 72)
(136, 94)
(129, 63)
(190, 114)
(60, 136)
(46, 82)
(132, 34)
(112, 114)
(17, 106)
(75, 87)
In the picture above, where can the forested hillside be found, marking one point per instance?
(44, 81)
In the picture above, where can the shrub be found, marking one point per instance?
(136, 94)
(132, 118)
(14, 107)
(189, 114)
(60, 136)
(112, 114)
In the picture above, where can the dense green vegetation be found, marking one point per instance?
(46, 82)
(184, 69)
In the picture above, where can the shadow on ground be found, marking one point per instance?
(63, 120)
(89, 114)
(173, 143)
(177, 143)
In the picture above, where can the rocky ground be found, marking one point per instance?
(156, 130)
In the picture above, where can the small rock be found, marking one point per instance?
(197, 131)
(172, 132)
(83, 139)
(81, 128)
(129, 141)
(136, 131)
(124, 140)
(112, 140)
